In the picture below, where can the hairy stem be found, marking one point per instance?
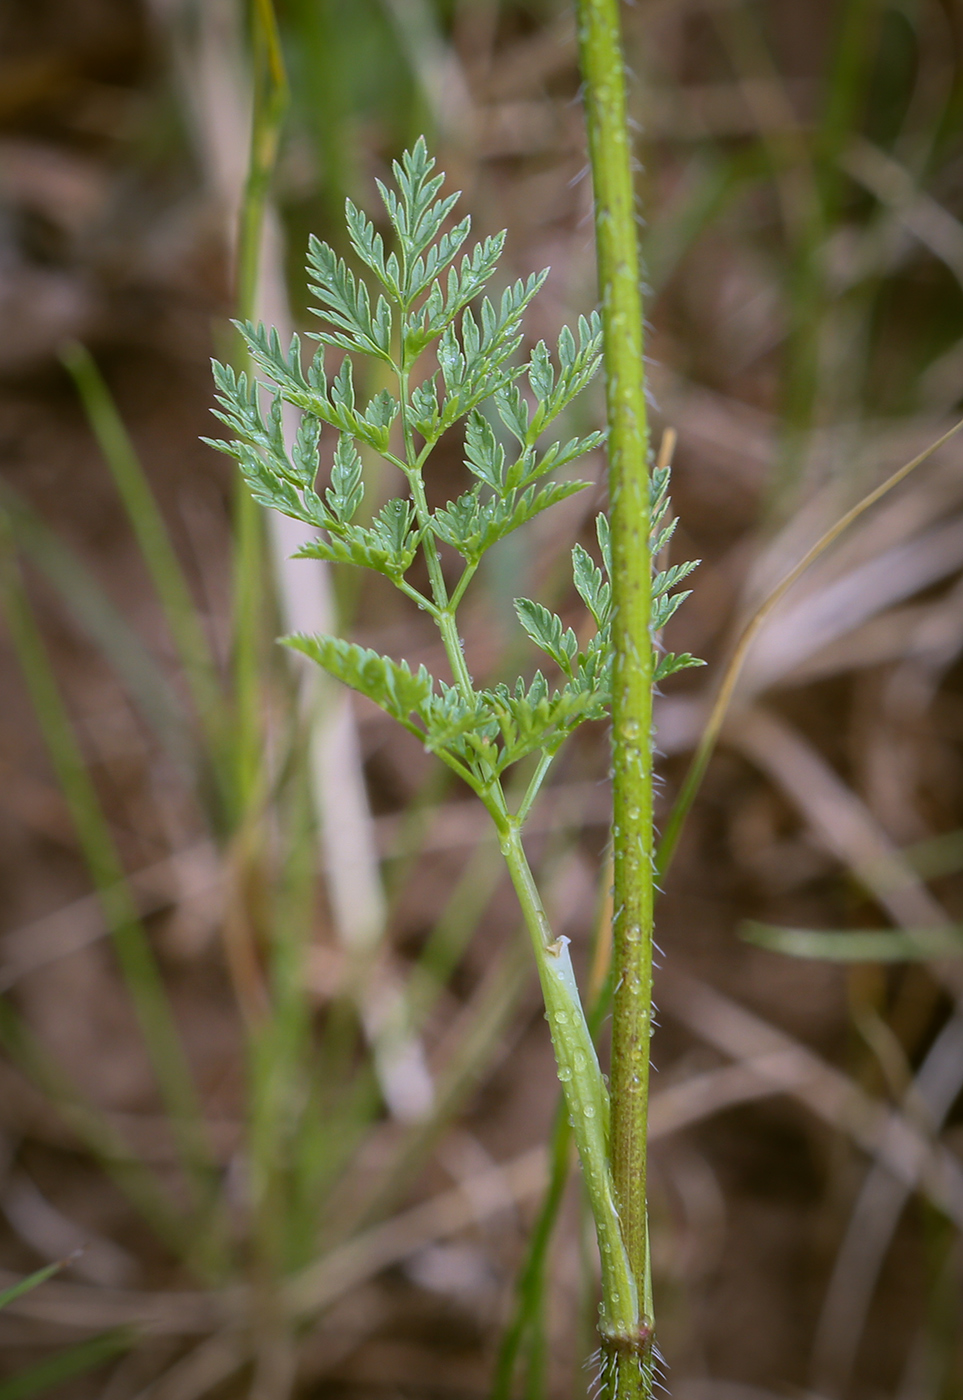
(618, 264)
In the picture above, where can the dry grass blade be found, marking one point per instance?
(885, 1134)
(894, 186)
(320, 1284)
(723, 700)
(768, 1063)
(55, 1236)
(874, 1219)
(841, 605)
(96, 1309)
(844, 825)
(190, 874)
(206, 1366)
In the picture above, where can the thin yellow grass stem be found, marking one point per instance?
(710, 735)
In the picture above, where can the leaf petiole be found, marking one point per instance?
(532, 791)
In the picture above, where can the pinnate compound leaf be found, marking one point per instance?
(603, 532)
(668, 664)
(387, 547)
(434, 287)
(271, 489)
(304, 453)
(593, 588)
(472, 525)
(417, 216)
(241, 412)
(484, 456)
(558, 455)
(392, 525)
(532, 502)
(442, 306)
(476, 368)
(462, 523)
(663, 608)
(380, 414)
(541, 373)
(450, 721)
(660, 538)
(370, 248)
(539, 719)
(424, 403)
(578, 363)
(435, 259)
(264, 347)
(346, 305)
(390, 684)
(308, 392)
(342, 386)
(548, 632)
(513, 411)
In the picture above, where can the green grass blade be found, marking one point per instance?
(267, 121)
(530, 1288)
(280, 1051)
(132, 947)
(936, 856)
(73, 1361)
(32, 1281)
(149, 529)
(143, 679)
(270, 99)
(159, 557)
(857, 945)
(136, 1180)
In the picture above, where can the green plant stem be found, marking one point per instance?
(270, 98)
(602, 64)
(72, 1361)
(530, 1288)
(444, 613)
(583, 1085)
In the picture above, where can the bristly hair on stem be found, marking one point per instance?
(636, 498)
(451, 351)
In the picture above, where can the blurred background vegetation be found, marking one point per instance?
(273, 1055)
